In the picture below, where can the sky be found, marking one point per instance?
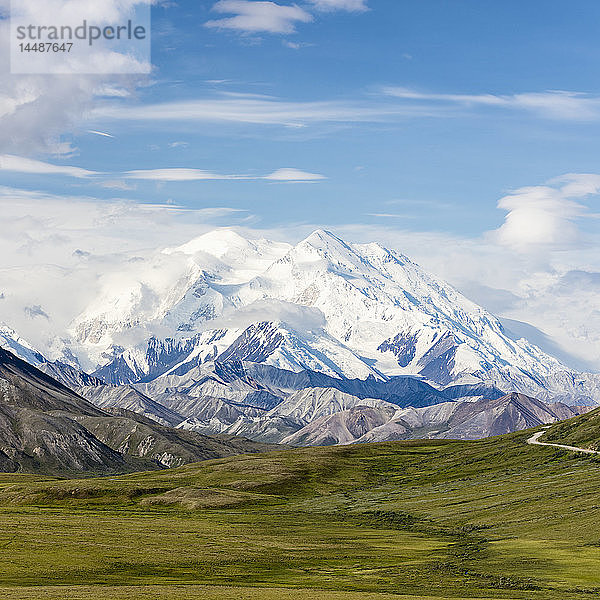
(465, 134)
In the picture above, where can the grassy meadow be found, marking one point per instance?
(411, 520)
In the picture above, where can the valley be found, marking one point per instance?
(432, 520)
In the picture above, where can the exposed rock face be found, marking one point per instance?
(136, 436)
(472, 420)
(45, 427)
(128, 398)
(24, 386)
(264, 340)
(324, 305)
(37, 429)
(358, 421)
(340, 428)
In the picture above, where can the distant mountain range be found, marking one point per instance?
(345, 310)
(322, 342)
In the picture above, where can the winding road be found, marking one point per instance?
(534, 440)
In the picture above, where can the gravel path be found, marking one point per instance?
(534, 440)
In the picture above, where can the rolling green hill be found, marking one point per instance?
(582, 431)
(424, 519)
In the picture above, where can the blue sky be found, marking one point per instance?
(444, 129)
(437, 164)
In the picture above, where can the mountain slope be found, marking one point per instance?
(345, 310)
(429, 519)
(128, 398)
(134, 435)
(37, 431)
(24, 386)
(484, 418)
(582, 432)
(311, 409)
(384, 306)
(362, 423)
(343, 427)
(60, 371)
(46, 427)
(11, 341)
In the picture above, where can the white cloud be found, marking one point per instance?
(261, 110)
(390, 216)
(549, 278)
(112, 91)
(392, 105)
(578, 185)
(546, 216)
(117, 184)
(333, 5)
(100, 133)
(286, 174)
(551, 104)
(73, 12)
(258, 17)
(178, 175)
(55, 247)
(294, 175)
(37, 110)
(19, 164)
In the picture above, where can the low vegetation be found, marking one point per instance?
(413, 520)
(582, 432)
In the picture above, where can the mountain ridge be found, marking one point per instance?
(248, 327)
(346, 310)
(45, 427)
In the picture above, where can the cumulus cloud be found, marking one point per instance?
(549, 279)
(56, 247)
(258, 17)
(542, 216)
(300, 318)
(36, 111)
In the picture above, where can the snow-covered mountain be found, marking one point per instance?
(345, 310)
(11, 341)
(60, 371)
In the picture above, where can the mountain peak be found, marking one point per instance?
(357, 309)
(321, 238)
(326, 245)
(10, 340)
(217, 243)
